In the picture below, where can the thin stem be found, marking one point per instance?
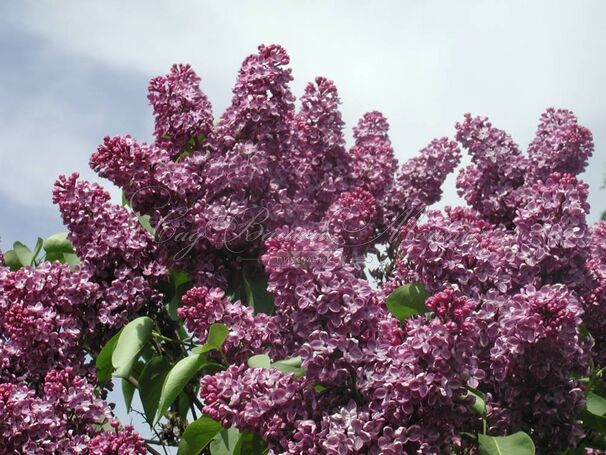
(153, 428)
(152, 450)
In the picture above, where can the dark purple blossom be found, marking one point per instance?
(115, 249)
(183, 113)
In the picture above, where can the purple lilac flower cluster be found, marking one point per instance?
(526, 256)
(263, 166)
(517, 279)
(48, 404)
(248, 335)
(118, 253)
(514, 281)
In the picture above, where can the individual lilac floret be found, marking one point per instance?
(321, 165)
(44, 312)
(248, 334)
(489, 184)
(418, 183)
(114, 248)
(561, 145)
(373, 161)
(351, 221)
(183, 113)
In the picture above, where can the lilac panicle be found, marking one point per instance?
(44, 313)
(489, 184)
(113, 247)
(351, 221)
(182, 112)
(248, 334)
(418, 183)
(262, 105)
(65, 418)
(321, 166)
(372, 157)
(561, 145)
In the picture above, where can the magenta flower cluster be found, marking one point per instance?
(517, 279)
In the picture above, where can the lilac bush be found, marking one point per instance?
(263, 283)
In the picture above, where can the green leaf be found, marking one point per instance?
(180, 282)
(144, 220)
(259, 361)
(128, 391)
(58, 243)
(125, 202)
(179, 278)
(198, 435)
(11, 260)
(226, 442)
(407, 300)
(51, 257)
(36, 251)
(251, 444)
(183, 405)
(217, 333)
(596, 404)
(150, 385)
(172, 307)
(594, 414)
(255, 290)
(24, 254)
(133, 338)
(176, 380)
(479, 405)
(71, 259)
(103, 363)
(292, 365)
(514, 444)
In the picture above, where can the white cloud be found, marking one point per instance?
(423, 64)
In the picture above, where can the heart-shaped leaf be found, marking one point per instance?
(176, 380)
(133, 338)
(407, 300)
(259, 361)
(217, 333)
(150, 385)
(514, 444)
(198, 435)
(58, 243)
(104, 359)
(24, 254)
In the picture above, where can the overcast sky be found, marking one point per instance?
(73, 72)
